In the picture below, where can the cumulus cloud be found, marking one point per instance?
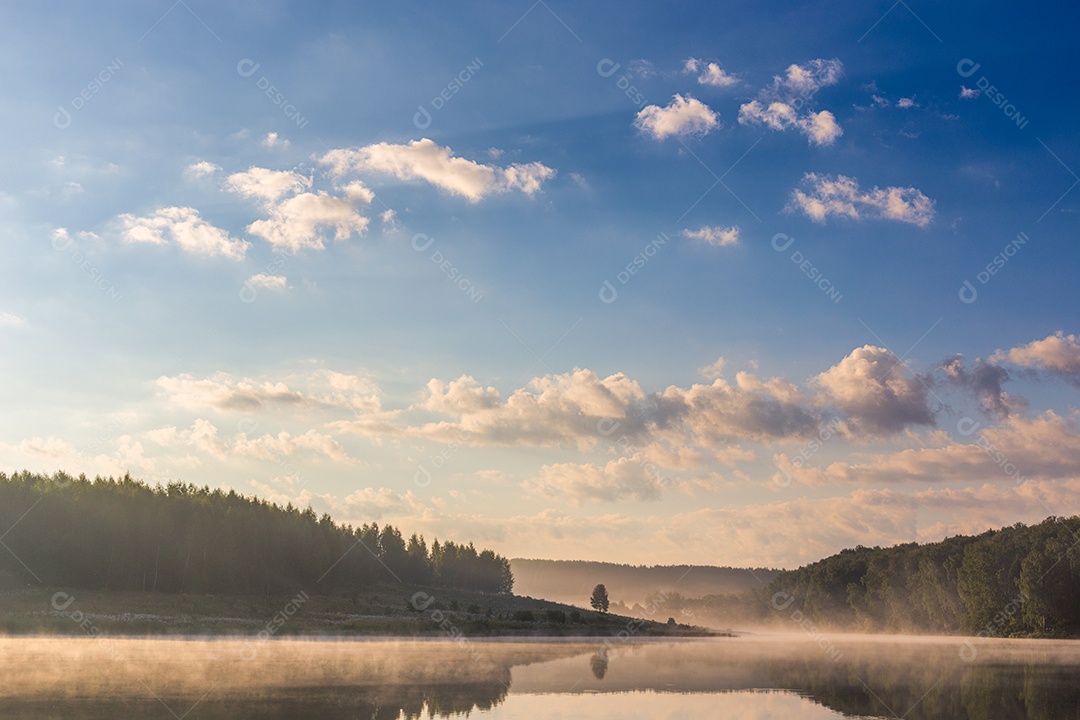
(967, 93)
(297, 223)
(371, 504)
(425, 160)
(272, 140)
(184, 227)
(806, 80)
(750, 409)
(269, 282)
(50, 448)
(986, 382)
(714, 369)
(1015, 451)
(825, 195)
(683, 116)
(223, 392)
(624, 478)
(678, 427)
(709, 73)
(1058, 353)
(715, 235)
(906, 103)
(297, 219)
(265, 184)
(781, 105)
(552, 410)
(820, 128)
(202, 168)
(874, 392)
(203, 436)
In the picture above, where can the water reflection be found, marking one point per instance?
(744, 677)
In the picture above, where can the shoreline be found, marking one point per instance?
(385, 612)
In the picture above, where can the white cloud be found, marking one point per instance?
(820, 127)
(51, 448)
(11, 320)
(715, 235)
(265, 184)
(221, 392)
(183, 226)
(269, 282)
(620, 479)
(389, 221)
(294, 223)
(551, 411)
(296, 218)
(967, 93)
(684, 116)
(202, 168)
(841, 196)
(425, 160)
(1017, 450)
(272, 140)
(874, 392)
(750, 409)
(370, 504)
(1056, 353)
(779, 106)
(906, 103)
(709, 73)
(806, 80)
(203, 436)
(713, 370)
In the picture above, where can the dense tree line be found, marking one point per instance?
(572, 580)
(1020, 580)
(121, 534)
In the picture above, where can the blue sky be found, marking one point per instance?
(613, 281)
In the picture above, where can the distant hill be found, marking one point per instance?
(1018, 581)
(572, 581)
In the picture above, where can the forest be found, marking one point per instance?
(1017, 581)
(572, 580)
(123, 535)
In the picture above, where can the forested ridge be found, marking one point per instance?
(1017, 581)
(572, 580)
(123, 535)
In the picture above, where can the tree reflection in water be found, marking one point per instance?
(875, 677)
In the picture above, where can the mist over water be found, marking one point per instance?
(754, 676)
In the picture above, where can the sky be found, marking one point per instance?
(717, 283)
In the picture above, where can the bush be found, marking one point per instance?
(524, 616)
(575, 616)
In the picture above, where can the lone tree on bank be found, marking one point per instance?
(599, 599)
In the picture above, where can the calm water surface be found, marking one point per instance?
(754, 677)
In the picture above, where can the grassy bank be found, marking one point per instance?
(409, 612)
